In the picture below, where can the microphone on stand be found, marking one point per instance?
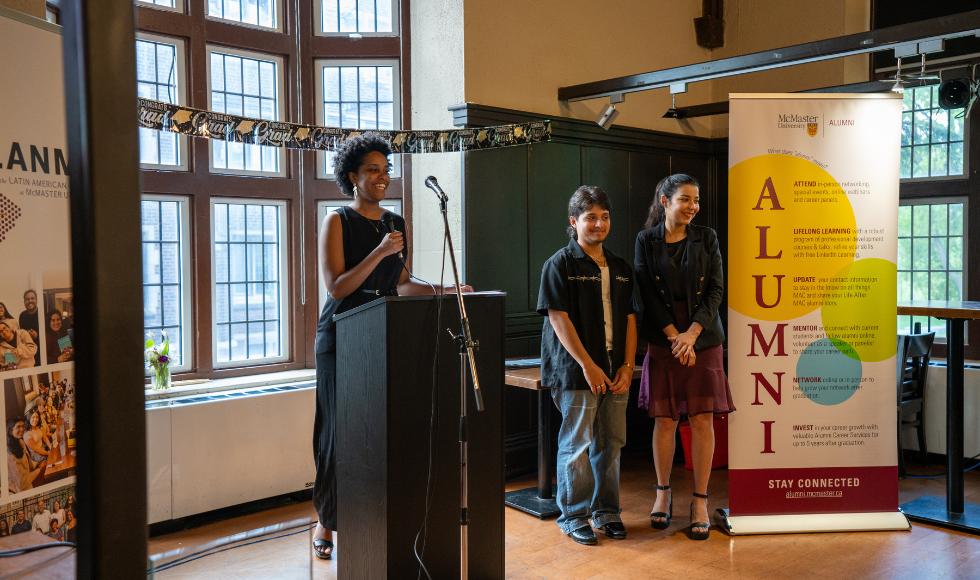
(432, 184)
(389, 224)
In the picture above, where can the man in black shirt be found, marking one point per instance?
(588, 346)
(29, 321)
(22, 525)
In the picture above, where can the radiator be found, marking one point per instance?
(206, 452)
(935, 407)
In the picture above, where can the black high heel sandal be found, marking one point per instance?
(658, 525)
(698, 535)
(322, 553)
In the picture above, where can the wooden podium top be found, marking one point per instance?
(382, 299)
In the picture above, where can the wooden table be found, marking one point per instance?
(538, 501)
(955, 514)
(67, 465)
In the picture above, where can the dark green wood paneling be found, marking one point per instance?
(554, 173)
(495, 222)
(515, 217)
(646, 171)
(609, 169)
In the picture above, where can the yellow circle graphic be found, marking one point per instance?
(859, 310)
(791, 227)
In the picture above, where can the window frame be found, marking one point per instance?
(322, 171)
(278, 12)
(285, 322)
(280, 108)
(177, 7)
(966, 148)
(180, 73)
(947, 200)
(318, 23)
(299, 187)
(187, 282)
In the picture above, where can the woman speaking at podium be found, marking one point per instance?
(359, 260)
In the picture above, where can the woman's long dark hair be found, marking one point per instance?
(6, 312)
(668, 186)
(13, 443)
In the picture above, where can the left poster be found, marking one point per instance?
(36, 298)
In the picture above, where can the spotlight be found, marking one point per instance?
(955, 93)
(673, 112)
(898, 88)
(608, 116)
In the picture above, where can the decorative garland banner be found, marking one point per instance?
(200, 123)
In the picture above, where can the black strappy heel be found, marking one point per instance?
(323, 554)
(658, 525)
(698, 535)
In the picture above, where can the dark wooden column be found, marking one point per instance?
(103, 149)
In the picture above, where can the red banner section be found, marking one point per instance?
(812, 490)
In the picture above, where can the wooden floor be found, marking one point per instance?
(536, 549)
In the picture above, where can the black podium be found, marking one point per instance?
(384, 384)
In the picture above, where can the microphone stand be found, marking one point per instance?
(467, 346)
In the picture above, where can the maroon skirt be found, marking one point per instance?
(670, 389)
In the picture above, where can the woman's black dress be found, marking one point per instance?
(361, 237)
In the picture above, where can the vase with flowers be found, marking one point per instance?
(157, 356)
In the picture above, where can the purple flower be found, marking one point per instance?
(163, 359)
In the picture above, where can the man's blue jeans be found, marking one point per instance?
(593, 431)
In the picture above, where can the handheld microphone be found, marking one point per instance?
(389, 224)
(432, 184)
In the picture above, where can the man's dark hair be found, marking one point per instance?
(30, 291)
(351, 154)
(584, 198)
(668, 186)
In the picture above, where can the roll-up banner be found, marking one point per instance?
(813, 215)
(36, 304)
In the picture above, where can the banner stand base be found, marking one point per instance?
(811, 523)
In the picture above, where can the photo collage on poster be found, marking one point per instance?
(37, 374)
(37, 350)
(52, 513)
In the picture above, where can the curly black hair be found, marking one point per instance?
(350, 155)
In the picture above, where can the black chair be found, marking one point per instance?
(913, 365)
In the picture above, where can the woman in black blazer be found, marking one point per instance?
(679, 272)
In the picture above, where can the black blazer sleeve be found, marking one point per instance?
(656, 317)
(714, 290)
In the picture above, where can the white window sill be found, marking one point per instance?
(198, 387)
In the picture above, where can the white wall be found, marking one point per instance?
(437, 83)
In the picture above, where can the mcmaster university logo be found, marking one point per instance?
(9, 213)
(811, 129)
